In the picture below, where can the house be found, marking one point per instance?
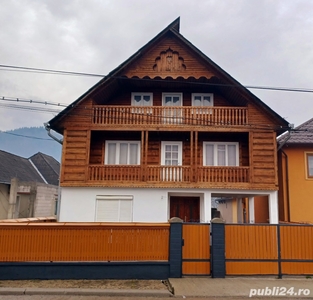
(28, 187)
(296, 174)
(162, 135)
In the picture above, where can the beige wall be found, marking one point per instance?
(45, 200)
(4, 200)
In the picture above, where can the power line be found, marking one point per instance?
(21, 100)
(26, 136)
(61, 72)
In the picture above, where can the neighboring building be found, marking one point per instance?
(296, 174)
(28, 187)
(163, 134)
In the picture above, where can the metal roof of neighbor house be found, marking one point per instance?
(14, 166)
(302, 134)
(48, 166)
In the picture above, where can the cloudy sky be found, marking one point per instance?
(259, 42)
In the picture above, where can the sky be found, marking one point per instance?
(261, 43)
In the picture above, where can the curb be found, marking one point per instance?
(85, 292)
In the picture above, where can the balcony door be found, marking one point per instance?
(186, 208)
(172, 111)
(171, 161)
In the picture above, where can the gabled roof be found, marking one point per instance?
(232, 85)
(14, 166)
(48, 167)
(302, 134)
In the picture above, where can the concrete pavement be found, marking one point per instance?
(214, 288)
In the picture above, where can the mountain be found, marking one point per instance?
(27, 141)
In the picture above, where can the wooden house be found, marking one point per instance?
(295, 165)
(162, 135)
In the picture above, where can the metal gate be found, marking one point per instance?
(196, 249)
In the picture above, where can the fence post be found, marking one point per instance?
(176, 248)
(280, 276)
(218, 248)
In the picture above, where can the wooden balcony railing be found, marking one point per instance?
(178, 115)
(151, 173)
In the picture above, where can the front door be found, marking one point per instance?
(185, 208)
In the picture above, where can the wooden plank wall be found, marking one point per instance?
(263, 157)
(84, 242)
(75, 155)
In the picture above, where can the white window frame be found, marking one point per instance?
(134, 103)
(307, 162)
(180, 151)
(215, 157)
(193, 95)
(118, 200)
(172, 94)
(117, 154)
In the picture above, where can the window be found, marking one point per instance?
(171, 154)
(309, 159)
(114, 208)
(172, 99)
(220, 154)
(172, 112)
(202, 100)
(142, 99)
(122, 153)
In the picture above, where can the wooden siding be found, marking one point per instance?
(144, 66)
(263, 157)
(75, 155)
(84, 242)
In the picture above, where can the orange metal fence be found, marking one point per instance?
(296, 249)
(84, 242)
(251, 249)
(268, 249)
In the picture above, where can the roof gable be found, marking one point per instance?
(170, 56)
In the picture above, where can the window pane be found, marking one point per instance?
(209, 155)
(310, 165)
(231, 155)
(133, 154)
(197, 101)
(206, 101)
(175, 100)
(111, 153)
(168, 99)
(175, 148)
(123, 153)
(146, 100)
(221, 155)
(137, 99)
(167, 147)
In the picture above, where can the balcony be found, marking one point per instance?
(178, 115)
(167, 174)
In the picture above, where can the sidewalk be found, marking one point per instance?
(241, 287)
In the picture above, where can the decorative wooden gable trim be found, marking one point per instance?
(169, 61)
(169, 57)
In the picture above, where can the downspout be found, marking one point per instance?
(287, 184)
(47, 127)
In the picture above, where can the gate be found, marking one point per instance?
(196, 249)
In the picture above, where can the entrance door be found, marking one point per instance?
(186, 208)
(172, 113)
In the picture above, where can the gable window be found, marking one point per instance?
(309, 159)
(203, 100)
(111, 208)
(122, 153)
(220, 154)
